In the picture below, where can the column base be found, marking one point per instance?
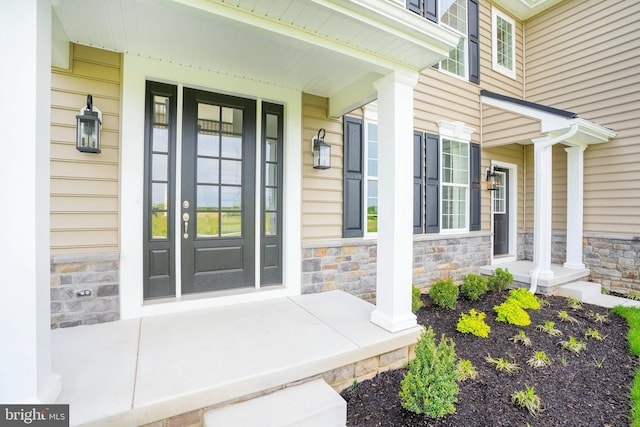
(574, 265)
(393, 324)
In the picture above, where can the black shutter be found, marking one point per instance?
(418, 181)
(475, 177)
(414, 6)
(473, 19)
(432, 184)
(431, 10)
(353, 204)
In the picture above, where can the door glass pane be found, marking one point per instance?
(207, 224)
(159, 167)
(231, 198)
(159, 197)
(231, 224)
(271, 150)
(208, 171)
(160, 138)
(271, 175)
(231, 172)
(208, 144)
(207, 197)
(231, 120)
(272, 126)
(159, 225)
(270, 223)
(207, 114)
(232, 146)
(270, 199)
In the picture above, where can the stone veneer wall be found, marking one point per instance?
(350, 264)
(558, 246)
(98, 273)
(614, 260)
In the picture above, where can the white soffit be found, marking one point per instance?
(525, 9)
(316, 46)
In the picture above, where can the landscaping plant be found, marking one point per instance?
(416, 301)
(597, 317)
(522, 337)
(539, 360)
(574, 304)
(473, 286)
(573, 345)
(444, 293)
(566, 317)
(526, 299)
(549, 327)
(473, 323)
(466, 370)
(594, 333)
(430, 385)
(503, 365)
(511, 312)
(500, 280)
(528, 400)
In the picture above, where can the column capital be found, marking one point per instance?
(409, 78)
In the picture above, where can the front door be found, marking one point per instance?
(200, 194)
(218, 194)
(501, 213)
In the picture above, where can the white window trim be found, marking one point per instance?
(495, 14)
(465, 36)
(459, 132)
(370, 117)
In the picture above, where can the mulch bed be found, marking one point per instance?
(578, 394)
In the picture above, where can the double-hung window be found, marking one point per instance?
(503, 43)
(453, 15)
(455, 184)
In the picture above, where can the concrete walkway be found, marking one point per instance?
(591, 293)
(133, 372)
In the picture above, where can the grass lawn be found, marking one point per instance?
(633, 317)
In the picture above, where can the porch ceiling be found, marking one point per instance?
(315, 46)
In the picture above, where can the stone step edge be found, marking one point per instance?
(580, 290)
(311, 404)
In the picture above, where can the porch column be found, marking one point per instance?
(395, 199)
(25, 359)
(542, 207)
(575, 184)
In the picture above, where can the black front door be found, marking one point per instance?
(501, 213)
(217, 192)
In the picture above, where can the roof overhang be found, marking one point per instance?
(331, 48)
(525, 9)
(553, 121)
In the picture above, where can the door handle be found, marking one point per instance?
(185, 219)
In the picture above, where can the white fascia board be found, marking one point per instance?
(548, 122)
(354, 95)
(59, 43)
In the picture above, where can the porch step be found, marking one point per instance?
(312, 404)
(580, 290)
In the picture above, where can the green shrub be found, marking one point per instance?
(473, 323)
(430, 385)
(444, 293)
(511, 312)
(466, 370)
(500, 280)
(473, 286)
(416, 301)
(526, 299)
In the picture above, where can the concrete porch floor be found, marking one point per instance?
(133, 372)
(521, 271)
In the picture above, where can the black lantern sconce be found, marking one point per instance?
(491, 178)
(88, 128)
(321, 151)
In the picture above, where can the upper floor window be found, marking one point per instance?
(453, 14)
(503, 43)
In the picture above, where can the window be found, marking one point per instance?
(455, 184)
(371, 150)
(499, 195)
(503, 43)
(453, 14)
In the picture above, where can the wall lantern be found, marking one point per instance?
(491, 178)
(321, 152)
(88, 128)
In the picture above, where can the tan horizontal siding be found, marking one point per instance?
(321, 189)
(559, 188)
(85, 187)
(583, 56)
(502, 127)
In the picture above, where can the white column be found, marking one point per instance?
(542, 207)
(395, 201)
(575, 184)
(25, 359)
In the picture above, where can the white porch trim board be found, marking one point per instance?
(25, 360)
(395, 232)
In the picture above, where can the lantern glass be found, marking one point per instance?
(321, 155)
(88, 132)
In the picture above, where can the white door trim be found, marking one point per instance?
(513, 213)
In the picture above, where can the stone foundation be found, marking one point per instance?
(340, 379)
(96, 274)
(614, 260)
(350, 264)
(558, 246)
